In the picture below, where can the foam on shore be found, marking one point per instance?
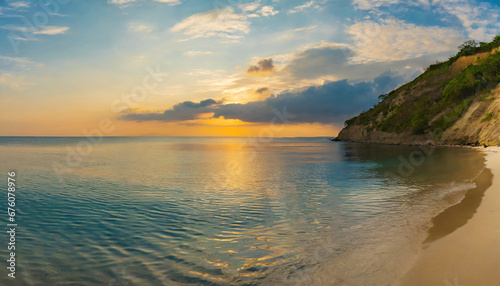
(464, 247)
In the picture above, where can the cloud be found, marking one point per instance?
(51, 30)
(480, 19)
(249, 7)
(224, 23)
(310, 4)
(24, 39)
(211, 81)
(197, 53)
(371, 4)
(261, 93)
(12, 69)
(306, 28)
(203, 103)
(56, 14)
(326, 61)
(330, 103)
(187, 110)
(140, 28)
(295, 32)
(267, 11)
(17, 28)
(122, 3)
(18, 61)
(245, 94)
(262, 90)
(126, 3)
(320, 60)
(251, 10)
(12, 81)
(392, 39)
(19, 4)
(41, 30)
(169, 2)
(312, 65)
(375, 4)
(263, 66)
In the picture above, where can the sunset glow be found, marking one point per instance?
(179, 68)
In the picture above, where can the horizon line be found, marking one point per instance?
(140, 136)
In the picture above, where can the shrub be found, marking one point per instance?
(382, 97)
(350, 122)
(487, 117)
(481, 76)
(419, 124)
(447, 95)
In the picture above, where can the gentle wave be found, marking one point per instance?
(180, 212)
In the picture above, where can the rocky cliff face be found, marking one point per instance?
(480, 123)
(455, 102)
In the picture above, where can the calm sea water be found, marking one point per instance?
(223, 211)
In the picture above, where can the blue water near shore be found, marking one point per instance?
(224, 211)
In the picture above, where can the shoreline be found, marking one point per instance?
(420, 143)
(458, 215)
(463, 246)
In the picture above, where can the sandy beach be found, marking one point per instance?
(463, 248)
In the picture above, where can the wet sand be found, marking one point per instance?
(463, 247)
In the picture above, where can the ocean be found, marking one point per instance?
(223, 211)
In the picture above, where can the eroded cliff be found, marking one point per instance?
(453, 102)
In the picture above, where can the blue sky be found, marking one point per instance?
(66, 64)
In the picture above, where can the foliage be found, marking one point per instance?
(383, 97)
(483, 75)
(420, 121)
(471, 47)
(468, 46)
(436, 99)
(350, 122)
(487, 117)
(449, 118)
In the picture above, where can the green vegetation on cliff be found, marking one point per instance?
(437, 98)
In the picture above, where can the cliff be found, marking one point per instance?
(454, 102)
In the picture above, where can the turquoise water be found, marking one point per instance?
(224, 211)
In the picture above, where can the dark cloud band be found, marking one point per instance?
(330, 103)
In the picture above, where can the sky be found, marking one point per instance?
(265, 68)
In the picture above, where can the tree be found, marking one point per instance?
(468, 46)
(382, 97)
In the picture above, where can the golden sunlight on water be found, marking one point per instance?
(225, 211)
